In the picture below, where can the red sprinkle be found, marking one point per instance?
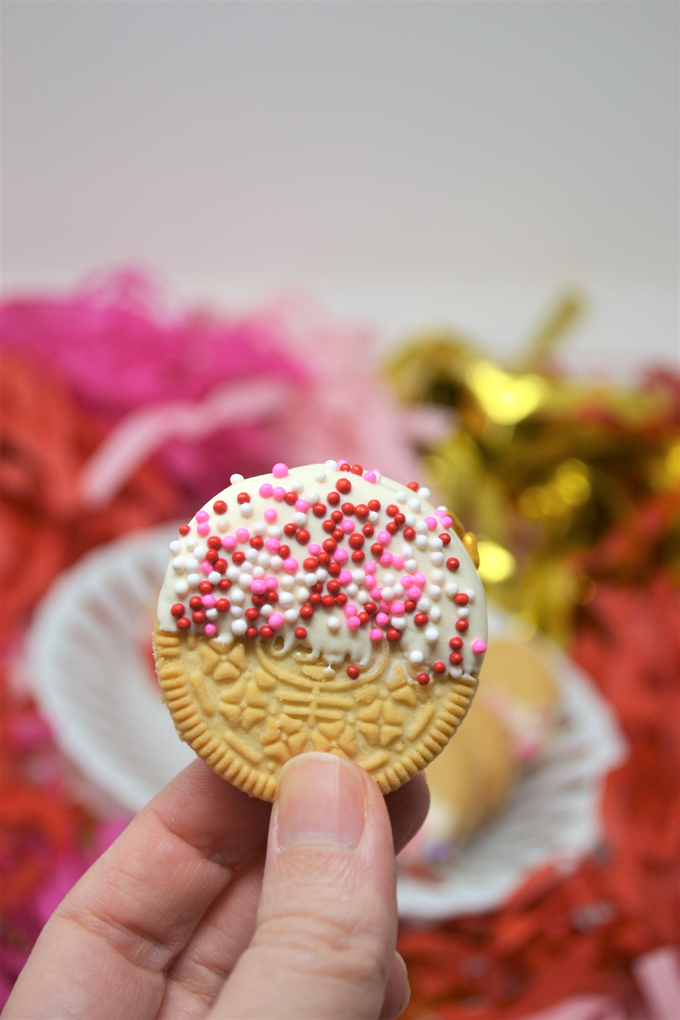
(353, 672)
(289, 529)
(333, 586)
(357, 469)
(184, 529)
(462, 625)
(291, 498)
(413, 485)
(420, 619)
(361, 510)
(393, 634)
(256, 542)
(315, 598)
(423, 678)
(311, 563)
(392, 527)
(400, 519)
(343, 485)
(328, 526)
(370, 608)
(205, 587)
(456, 642)
(356, 541)
(199, 616)
(338, 534)
(452, 563)
(184, 623)
(409, 534)
(461, 599)
(306, 612)
(300, 633)
(266, 632)
(341, 599)
(358, 556)
(368, 530)
(363, 616)
(214, 542)
(195, 602)
(243, 497)
(178, 609)
(328, 601)
(283, 551)
(446, 538)
(330, 545)
(219, 506)
(225, 583)
(439, 667)
(252, 614)
(239, 558)
(334, 569)
(333, 498)
(324, 559)
(251, 631)
(455, 658)
(318, 509)
(337, 516)
(374, 505)
(343, 465)
(220, 565)
(377, 549)
(348, 509)
(409, 605)
(212, 556)
(391, 510)
(222, 605)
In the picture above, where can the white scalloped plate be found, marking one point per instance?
(89, 664)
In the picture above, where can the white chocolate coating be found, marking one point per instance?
(328, 632)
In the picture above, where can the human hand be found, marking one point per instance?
(184, 918)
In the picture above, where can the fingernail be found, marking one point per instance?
(321, 800)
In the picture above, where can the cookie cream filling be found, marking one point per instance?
(333, 561)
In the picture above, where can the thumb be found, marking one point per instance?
(325, 940)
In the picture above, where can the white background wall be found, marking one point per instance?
(414, 163)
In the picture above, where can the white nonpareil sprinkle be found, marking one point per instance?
(233, 572)
(451, 589)
(258, 571)
(421, 541)
(175, 547)
(363, 597)
(286, 581)
(352, 590)
(333, 623)
(463, 612)
(193, 580)
(237, 596)
(266, 610)
(331, 465)
(236, 611)
(437, 576)
(431, 635)
(434, 591)
(181, 588)
(436, 543)
(291, 615)
(373, 516)
(423, 605)
(400, 496)
(251, 555)
(399, 622)
(310, 579)
(406, 550)
(470, 594)
(276, 563)
(260, 528)
(275, 531)
(424, 492)
(437, 558)
(191, 563)
(421, 528)
(411, 565)
(398, 590)
(246, 509)
(387, 594)
(410, 520)
(263, 558)
(435, 614)
(235, 479)
(191, 542)
(286, 599)
(416, 658)
(320, 476)
(321, 574)
(297, 486)
(312, 497)
(302, 594)
(239, 626)
(178, 565)
(214, 577)
(222, 524)
(211, 614)
(455, 671)
(245, 581)
(414, 504)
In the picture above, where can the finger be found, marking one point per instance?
(326, 931)
(398, 991)
(408, 807)
(197, 976)
(105, 950)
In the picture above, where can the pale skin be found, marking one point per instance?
(211, 905)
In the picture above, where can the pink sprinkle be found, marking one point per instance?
(302, 505)
(340, 556)
(344, 577)
(478, 646)
(382, 619)
(203, 529)
(290, 565)
(431, 523)
(350, 610)
(202, 515)
(275, 621)
(279, 471)
(271, 582)
(398, 562)
(384, 537)
(210, 629)
(414, 593)
(420, 580)
(447, 522)
(376, 593)
(376, 635)
(270, 515)
(407, 581)
(229, 542)
(370, 568)
(258, 586)
(314, 549)
(266, 490)
(272, 544)
(242, 534)
(439, 512)
(208, 601)
(398, 608)
(347, 527)
(386, 559)
(370, 477)
(279, 493)
(206, 567)
(385, 606)
(353, 622)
